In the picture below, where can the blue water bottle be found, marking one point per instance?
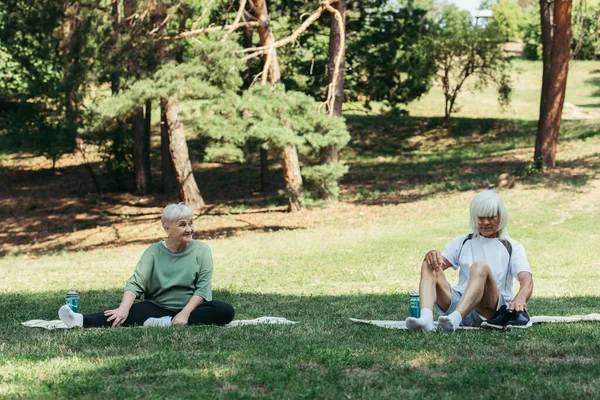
(414, 304)
(72, 300)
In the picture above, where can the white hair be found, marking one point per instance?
(175, 212)
(488, 204)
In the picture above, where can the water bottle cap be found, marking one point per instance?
(72, 292)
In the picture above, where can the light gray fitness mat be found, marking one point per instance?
(58, 324)
(534, 320)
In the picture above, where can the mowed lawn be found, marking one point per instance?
(361, 266)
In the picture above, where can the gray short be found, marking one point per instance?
(473, 318)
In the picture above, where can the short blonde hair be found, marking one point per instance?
(489, 204)
(175, 212)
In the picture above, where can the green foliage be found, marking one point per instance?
(275, 118)
(532, 34)
(463, 51)
(585, 24)
(38, 128)
(29, 64)
(388, 61)
(506, 19)
(586, 29)
(30, 73)
(321, 180)
(385, 57)
(211, 70)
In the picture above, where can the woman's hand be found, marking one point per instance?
(435, 260)
(181, 318)
(118, 316)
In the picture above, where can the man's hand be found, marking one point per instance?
(518, 304)
(181, 318)
(435, 260)
(118, 316)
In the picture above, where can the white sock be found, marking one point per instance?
(451, 322)
(162, 321)
(70, 318)
(424, 323)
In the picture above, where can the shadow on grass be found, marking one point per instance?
(392, 160)
(323, 356)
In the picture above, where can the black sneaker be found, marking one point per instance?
(520, 319)
(499, 321)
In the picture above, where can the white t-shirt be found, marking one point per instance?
(494, 254)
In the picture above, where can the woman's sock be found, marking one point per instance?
(70, 318)
(424, 323)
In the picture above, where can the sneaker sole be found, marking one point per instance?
(528, 325)
(485, 325)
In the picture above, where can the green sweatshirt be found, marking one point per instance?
(171, 279)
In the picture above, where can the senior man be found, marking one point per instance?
(488, 260)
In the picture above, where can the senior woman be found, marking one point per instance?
(173, 275)
(488, 260)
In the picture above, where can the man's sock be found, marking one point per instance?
(451, 322)
(424, 323)
(162, 321)
(70, 318)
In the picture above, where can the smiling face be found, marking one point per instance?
(180, 232)
(488, 226)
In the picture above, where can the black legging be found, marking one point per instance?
(213, 312)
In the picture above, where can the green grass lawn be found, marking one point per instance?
(583, 86)
(319, 277)
(410, 183)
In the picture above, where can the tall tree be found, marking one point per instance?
(271, 73)
(556, 38)
(173, 136)
(463, 51)
(118, 147)
(182, 166)
(70, 49)
(166, 162)
(141, 138)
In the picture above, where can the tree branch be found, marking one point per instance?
(337, 60)
(256, 51)
(237, 18)
(195, 32)
(153, 31)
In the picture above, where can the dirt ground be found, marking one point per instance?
(42, 211)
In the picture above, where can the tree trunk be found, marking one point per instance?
(264, 169)
(141, 143)
(182, 166)
(266, 38)
(141, 153)
(555, 80)
(271, 72)
(293, 179)
(337, 43)
(115, 86)
(167, 174)
(70, 50)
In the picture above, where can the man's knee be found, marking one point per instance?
(479, 269)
